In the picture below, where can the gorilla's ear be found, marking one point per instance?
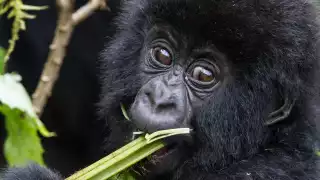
(282, 113)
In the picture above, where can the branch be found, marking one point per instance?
(65, 26)
(86, 10)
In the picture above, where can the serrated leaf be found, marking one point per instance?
(2, 54)
(4, 9)
(14, 95)
(11, 14)
(22, 144)
(22, 25)
(34, 8)
(27, 15)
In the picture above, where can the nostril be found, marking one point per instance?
(167, 106)
(149, 97)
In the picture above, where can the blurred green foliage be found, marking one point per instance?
(22, 143)
(2, 54)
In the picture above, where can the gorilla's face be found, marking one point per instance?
(176, 80)
(177, 77)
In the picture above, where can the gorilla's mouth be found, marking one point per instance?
(164, 159)
(163, 153)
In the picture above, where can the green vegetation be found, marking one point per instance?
(112, 165)
(22, 143)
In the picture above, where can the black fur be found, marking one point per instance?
(271, 49)
(31, 172)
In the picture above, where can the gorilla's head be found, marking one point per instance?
(235, 72)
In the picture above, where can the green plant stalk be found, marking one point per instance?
(166, 133)
(124, 112)
(127, 155)
(114, 160)
(96, 165)
(127, 162)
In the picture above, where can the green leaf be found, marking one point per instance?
(22, 144)
(27, 15)
(22, 25)
(11, 14)
(2, 54)
(127, 175)
(34, 8)
(22, 124)
(124, 112)
(4, 9)
(13, 94)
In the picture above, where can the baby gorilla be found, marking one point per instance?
(241, 74)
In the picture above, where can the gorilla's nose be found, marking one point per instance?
(159, 106)
(161, 99)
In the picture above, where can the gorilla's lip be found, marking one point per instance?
(164, 152)
(163, 160)
(156, 160)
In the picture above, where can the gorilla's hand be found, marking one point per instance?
(31, 172)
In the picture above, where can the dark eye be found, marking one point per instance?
(162, 55)
(202, 74)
